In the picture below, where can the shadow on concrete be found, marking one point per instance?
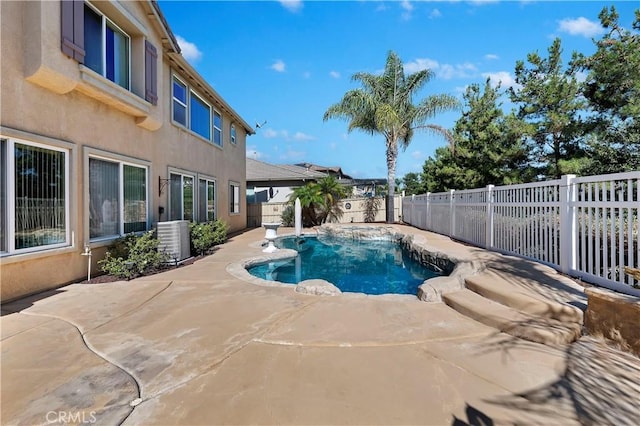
(531, 276)
(601, 385)
(475, 417)
(26, 302)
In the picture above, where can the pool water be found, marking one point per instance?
(359, 266)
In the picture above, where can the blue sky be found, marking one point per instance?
(286, 62)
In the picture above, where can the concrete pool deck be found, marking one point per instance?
(196, 345)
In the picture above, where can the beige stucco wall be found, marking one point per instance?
(44, 99)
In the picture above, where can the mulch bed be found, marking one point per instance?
(106, 278)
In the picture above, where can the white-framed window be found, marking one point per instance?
(200, 116)
(206, 199)
(34, 196)
(217, 128)
(181, 196)
(193, 112)
(234, 197)
(118, 197)
(233, 134)
(179, 104)
(107, 47)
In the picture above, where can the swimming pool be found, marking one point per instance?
(352, 265)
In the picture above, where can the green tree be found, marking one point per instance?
(412, 184)
(490, 147)
(332, 192)
(550, 103)
(310, 198)
(320, 201)
(612, 88)
(384, 105)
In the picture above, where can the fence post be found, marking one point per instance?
(413, 209)
(488, 238)
(427, 219)
(567, 224)
(452, 213)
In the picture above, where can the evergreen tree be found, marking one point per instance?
(489, 147)
(612, 88)
(550, 103)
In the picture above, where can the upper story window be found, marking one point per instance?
(217, 128)
(110, 44)
(233, 134)
(190, 110)
(106, 48)
(200, 117)
(179, 102)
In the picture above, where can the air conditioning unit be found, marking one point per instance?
(173, 238)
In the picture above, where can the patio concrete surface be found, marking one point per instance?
(198, 346)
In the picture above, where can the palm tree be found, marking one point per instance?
(310, 198)
(384, 105)
(319, 200)
(332, 193)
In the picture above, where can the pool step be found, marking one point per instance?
(502, 291)
(535, 328)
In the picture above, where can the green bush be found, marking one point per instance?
(288, 216)
(205, 236)
(132, 256)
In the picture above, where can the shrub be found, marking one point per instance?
(132, 256)
(288, 216)
(205, 236)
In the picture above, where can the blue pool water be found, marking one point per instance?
(359, 266)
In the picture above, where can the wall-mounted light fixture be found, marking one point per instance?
(162, 184)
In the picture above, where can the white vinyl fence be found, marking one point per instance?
(586, 227)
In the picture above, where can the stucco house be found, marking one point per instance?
(105, 130)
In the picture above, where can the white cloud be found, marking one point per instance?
(408, 9)
(503, 77)
(435, 13)
(445, 71)
(302, 137)
(189, 50)
(279, 66)
(483, 2)
(381, 7)
(293, 156)
(417, 155)
(491, 56)
(291, 5)
(252, 152)
(419, 65)
(334, 74)
(269, 133)
(581, 76)
(580, 26)
(284, 135)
